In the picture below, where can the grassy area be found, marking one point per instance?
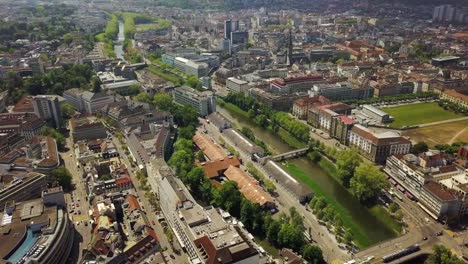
(267, 246)
(384, 216)
(159, 23)
(416, 114)
(166, 76)
(329, 168)
(361, 240)
(290, 140)
(446, 133)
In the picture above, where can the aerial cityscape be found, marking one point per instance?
(233, 131)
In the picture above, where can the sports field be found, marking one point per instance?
(417, 114)
(447, 133)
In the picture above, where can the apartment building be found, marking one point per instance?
(301, 107)
(21, 186)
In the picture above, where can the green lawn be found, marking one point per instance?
(267, 246)
(416, 114)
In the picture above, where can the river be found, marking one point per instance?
(372, 228)
(118, 47)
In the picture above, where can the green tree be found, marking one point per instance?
(443, 255)
(63, 177)
(143, 97)
(251, 113)
(393, 207)
(367, 182)
(346, 162)
(314, 156)
(229, 198)
(105, 177)
(186, 132)
(192, 81)
(313, 254)
(67, 110)
(419, 147)
(182, 161)
(185, 116)
(261, 120)
(52, 132)
(195, 178)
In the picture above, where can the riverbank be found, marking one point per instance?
(368, 225)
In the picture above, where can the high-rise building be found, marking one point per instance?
(47, 107)
(203, 102)
(227, 29)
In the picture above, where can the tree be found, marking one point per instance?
(192, 81)
(314, 156)
(393, 207)
(419, 147)
(313, 254)
(105, 177)
(52, 132)
(251, 113)
(261, 120)
(346, 162)
(367, 182)
(195, 178)
(143, 97)
(182, 161)
(185, 115)
(63, 177)
(67, 110)
(229, 198)
(442, 255)
(186, 132)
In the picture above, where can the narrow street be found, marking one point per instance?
(148, 209)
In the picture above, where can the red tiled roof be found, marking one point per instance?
(205, 243)
(133, 202)
(248, 186)
(347, 120)
(216, 168)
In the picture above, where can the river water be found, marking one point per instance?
(118, 47)
(369, 224)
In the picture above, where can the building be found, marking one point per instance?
(243, 143)
(74, 97)
(426, 178)
(48, 108)
(376, 114)
(3, 99)
(294, 84)
(236, 85)
(301, 107)
(27, 125)
(202, 232)
(445, 61)
(203, 102)
(87, 128)
(35, 232)
(249, 187)
(219, 121)
(21, 187)
(208, 147)
(94, 102)
(123, 87)
(324, 116)
(448, 14)
(341, 91)
(459, 98)
(377, 146)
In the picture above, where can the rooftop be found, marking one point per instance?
(205, 144)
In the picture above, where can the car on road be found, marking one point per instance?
(439, 233)
(424, 238)
(172, 256)
(152, 222)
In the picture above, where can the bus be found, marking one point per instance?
(401, 253)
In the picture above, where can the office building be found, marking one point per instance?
(47, 107)
(35, 232)
(341, 91)
(94, 102)
(376, 114)
(203, 102)
(236, 85)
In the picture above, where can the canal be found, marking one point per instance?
(118, 47)
(370, 227)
